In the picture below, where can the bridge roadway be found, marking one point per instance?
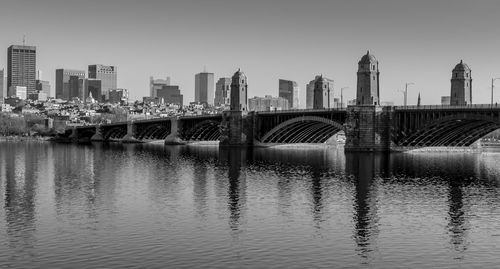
(367, 128)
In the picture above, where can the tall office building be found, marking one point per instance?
(461, 85)
(289, 90)
(62, 82)
(2, 93)
(21, 69)
(267, 103)
(171, 94)
(368, 92)
(156, 84)
(107, 75)
(204, 88)
(223, 92)
(118, 95)
(43, 89)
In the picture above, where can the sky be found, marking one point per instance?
(415, 41)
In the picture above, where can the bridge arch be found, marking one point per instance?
(460, 130)
(157, 132)
(207, 130)
(304, 129)
(117, 132)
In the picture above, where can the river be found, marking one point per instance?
(150, 206)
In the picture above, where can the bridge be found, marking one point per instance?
(366, 127)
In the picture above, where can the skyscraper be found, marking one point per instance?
(107, 75)
(21, 69)
(222, 92)
(368, 81)
(43, 89)
(156, 84)
(2, 93)
(204, 88)
(289, 90)
(171, 94)
(62, 82)
(461, 85)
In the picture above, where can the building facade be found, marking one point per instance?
(43, 89)
(204, 88)
(108, 76)
(368, 91)
(445, 100)
(267, 103)
(289, 90)
(461, 85)
(156, 84)
(118, 95)
(2, 93)
(323, 93)
(21, 69)
(62, 82)
(170, 94)
(310, 94)
(239, 91)
(223, 92)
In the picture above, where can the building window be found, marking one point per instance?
(373, 67)
(456, 75)
(373, 77)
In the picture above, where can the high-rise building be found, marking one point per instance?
(223, 92)
(21, 69)
(368, 92)
(107, 75)
(118, 95)
(171, 94)
(267, 103)
(323, 93)
(2, 93)
(62, 82)
(204, 88)
(76, 90)
(239, 92)
(94, 89)
(310, 94)
(21, 92)
(289, 90)
(461, 85)
(156, 84)
(43, 89)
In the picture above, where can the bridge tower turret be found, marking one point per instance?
(368, 90)
(239, 95)
(461, 85)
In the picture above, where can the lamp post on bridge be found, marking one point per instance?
(342, 96)
(406, 91)
(492, 87)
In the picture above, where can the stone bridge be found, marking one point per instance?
(367, 127)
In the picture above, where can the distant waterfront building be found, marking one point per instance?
(62, 82)
(21, 69)
(461, 85)
(368, 92)
(108, 76)
(2, 93)
(267, 103)
(21, 92)
(76, 90)
(445, 100)
(289, 90)
(223, 92)
(43, 89)
(171, 94)
(94, 89)
(239, 92)
(118, 95)
(156, 84)
(310, 94)
(204, 88)
(323, 93)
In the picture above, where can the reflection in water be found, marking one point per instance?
(458, 222)
(362, 167)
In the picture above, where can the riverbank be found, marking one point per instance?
(25, 138)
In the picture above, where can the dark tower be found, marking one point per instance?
(239, 96)
(368, 90)
(461, 85)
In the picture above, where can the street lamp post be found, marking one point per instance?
(342, 96)
(406, 91)
(492, 87)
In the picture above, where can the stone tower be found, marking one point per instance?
(239, 95)
(368, 89)
(461, 85)
(322, 93)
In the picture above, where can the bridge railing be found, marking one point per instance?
(474, 106)
(301, 110)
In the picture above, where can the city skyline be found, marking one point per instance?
(414, 42)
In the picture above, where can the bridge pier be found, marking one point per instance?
(97, 137)
(237, 128)
(174, 137)
(74, 135)
(368, 128)
(130, 136)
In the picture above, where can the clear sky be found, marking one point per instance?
(414, 41)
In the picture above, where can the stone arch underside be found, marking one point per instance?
(115, 133)
(305, 129)
(154, 132)
(451, 132)
(208, 130)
